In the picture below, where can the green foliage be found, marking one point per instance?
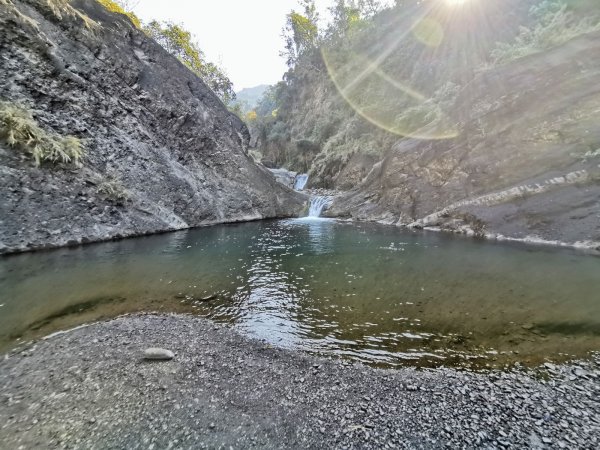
(366, 80)
(430, 114)
(19, 129)
(309, 107)
(278, 132)
(237, 108)
(267, 104)
(112, 189)
(179, 42)
(247, 100)
(555, 22)
(348, 18)
(116, 7)
(301, 33)
(345, 15)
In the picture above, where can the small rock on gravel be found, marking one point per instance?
(155, 353)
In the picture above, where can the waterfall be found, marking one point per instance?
(318, 203)
(300, 182)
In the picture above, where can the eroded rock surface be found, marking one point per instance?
(526, 163)
(150, 127)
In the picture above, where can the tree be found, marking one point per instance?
(345, 13)
(179, 42)
(301, 32)
(268, 102)
(369, 8)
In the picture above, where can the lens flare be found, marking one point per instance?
(400, 81)
(363, 83)
(428, 31)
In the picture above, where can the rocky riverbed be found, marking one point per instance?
(91, 388)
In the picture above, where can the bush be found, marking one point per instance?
(19, 129)
(430, 117)
(278, 132)
(555, 24)
(116, 8)
(113, 190)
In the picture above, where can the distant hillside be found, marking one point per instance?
(249, 97)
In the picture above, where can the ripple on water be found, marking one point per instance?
(367, 292)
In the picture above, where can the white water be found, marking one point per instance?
(300, 181)
(318, 203)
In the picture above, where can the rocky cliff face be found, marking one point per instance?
(526, 163)
(162, 152)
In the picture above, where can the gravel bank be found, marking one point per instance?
(90, 388)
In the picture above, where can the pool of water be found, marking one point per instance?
(368, 292)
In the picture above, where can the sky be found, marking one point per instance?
(242, 36)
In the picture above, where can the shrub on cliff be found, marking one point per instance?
(19, 130)
(112, 189)
(117, 8)
(180, 43)
(555, 22)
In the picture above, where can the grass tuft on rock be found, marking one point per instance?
(19, 130)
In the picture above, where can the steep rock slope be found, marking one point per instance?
(153, 132)
(525, 164)
(319, 123)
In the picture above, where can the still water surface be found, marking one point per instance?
(368, 292)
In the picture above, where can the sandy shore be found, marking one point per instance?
(90, 388)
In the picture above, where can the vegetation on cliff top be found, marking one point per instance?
(374, 75)
(180, 43)
(554, 22)
(119, 8)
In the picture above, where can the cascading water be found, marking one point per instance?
(318, 203)
(300, 181)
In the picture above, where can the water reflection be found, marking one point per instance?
(368, 292)
(320, 232)
(270, 292)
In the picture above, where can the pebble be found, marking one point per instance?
(155, 353)
(346, 405)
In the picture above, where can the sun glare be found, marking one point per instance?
(456, 2)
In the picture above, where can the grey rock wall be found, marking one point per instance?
(148, 124)
(525, 165)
